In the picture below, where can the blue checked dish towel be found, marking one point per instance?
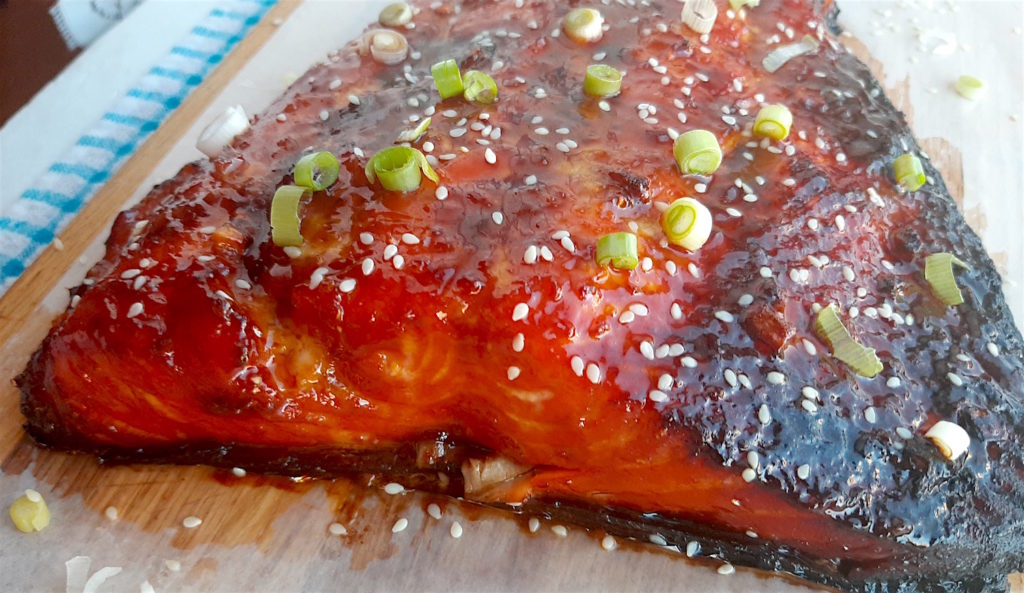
(30, 224)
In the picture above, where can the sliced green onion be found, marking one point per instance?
(399, 168)
(29, 512)
(969, 87)
(284, 215)
(687, 223)
(479, 87)
(414, 134)
(447, 78)
(619, 250)
(909, 172)
(738, 4)
(316, 171)
(700, 15)
(773, 121)
(938, 271)
(584, 25)
(830, 328)
(602, 81)
(697, 151)
(389, 47)
(396, 14)
(778, 57)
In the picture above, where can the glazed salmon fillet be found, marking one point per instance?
(462, 338)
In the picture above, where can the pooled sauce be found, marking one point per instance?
(483, 323)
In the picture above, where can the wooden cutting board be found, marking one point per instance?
(260, 534)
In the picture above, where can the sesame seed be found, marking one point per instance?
(513, 373)
(604, 106)
(904, 433)
(441, 192)
(434, 510)
(753, 460)
(353, 99)
(725, 569)
(608, 543)
(542, 131)
(692, 549)
(688, 362)
(134, 310)
(490, 157)
(803, 471)
(110, 512)
(809, 392)
(646, 264)
(745, 300)
(955, 379)
(749, 475)
(140, 281)
(400, 525)
(840, 222)
(745, 381)
(568, 245)
(992, 349)
(242, 284)
(457, 132)
(530, 180)
(191, 522)
(410, 239)
(129, 274)
(497, 217)
(335, 84)
(545, 253)
(398, 262)
(577, 365)
(663, 351)
(647, 349)
(456, 530)
(776, 378)
(337, 529)
(733, 212)
(593, 373)
(534, 524)
(892, 382)
(627, 317)
(324, 115)
(870, 415)
(676, 311)
(520, 312)
(809, 405)
(562, 146)
(560, 530)
(692, 268)
(812, 223)
(657, 539)
(390, 251)
(730, 377)
(518, 342)
(530, 255)
(848, 273)
(367, 266)
(765, 272)
(657, 396)
(282, 117)
(394, 488)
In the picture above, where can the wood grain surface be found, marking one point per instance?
(260, 534)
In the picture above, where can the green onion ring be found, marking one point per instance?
(316, 171)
